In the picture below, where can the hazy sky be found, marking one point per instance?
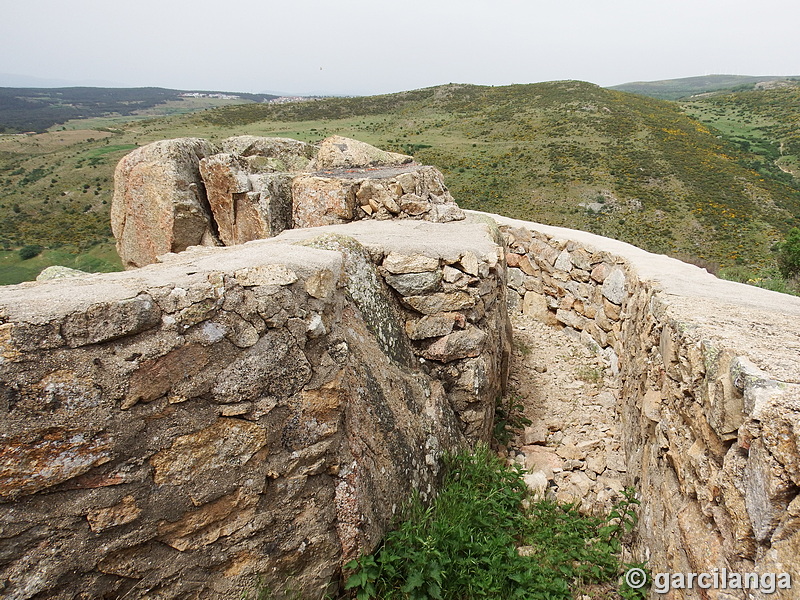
(371, 47)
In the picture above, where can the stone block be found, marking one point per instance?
(581, 259)
(611, 310)
(515, 279)
(414, 205)
(397, 264)
(526, 266)
(570, 319)
(536, 482)
(535, 434)
(456, 345)
(440, 302)
(469, 263)
(600, 272)
(321, 284)
(580, 275)
(533, 284)
(436, 325)
(563, 262)
(536, 306)
(512, 259)
(263, 275)
(614, 286)
(104, 322)
(543, 254)
(415, 284)
(319, 201)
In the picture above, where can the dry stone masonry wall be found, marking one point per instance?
(710, 404)
(233, 413)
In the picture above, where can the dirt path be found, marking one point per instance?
(572, 447)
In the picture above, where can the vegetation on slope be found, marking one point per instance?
(675, 89)
(571, 154)
(562, 153)
(38, 109)
(55, 193)
(765, 122)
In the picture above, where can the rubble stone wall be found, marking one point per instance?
(710, 405)
(242, 414)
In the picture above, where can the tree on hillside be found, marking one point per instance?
(789, 253)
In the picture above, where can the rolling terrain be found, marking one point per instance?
(564, 153)
(38, 109)
(765, 121)
(675, 89)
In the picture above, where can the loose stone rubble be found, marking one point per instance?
(572, 451)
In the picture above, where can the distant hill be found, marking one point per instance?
(25, 109)
(564, 153)
(568, 153)
(764, 121)
(674, 89)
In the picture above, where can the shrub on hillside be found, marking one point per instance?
(789, 254)
(27, 252)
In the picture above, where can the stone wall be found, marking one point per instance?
(243, 413)
(261, 410)
(710, 406)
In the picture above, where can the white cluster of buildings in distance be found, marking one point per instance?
(207, 95)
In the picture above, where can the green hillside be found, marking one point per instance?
(563, 153)
(764, 121)
(38, 109)
(675, 89)
(571, 154)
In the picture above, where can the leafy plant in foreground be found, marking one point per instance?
(476, 540)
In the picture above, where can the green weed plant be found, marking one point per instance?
(477, 540)
(509, 418)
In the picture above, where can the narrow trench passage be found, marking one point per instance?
(572, 449)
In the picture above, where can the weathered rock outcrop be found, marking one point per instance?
(59, 272)
(160, 203)
(337, 152)
(249, 186)
(176, 193)
(258, 411)
(404, 192)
